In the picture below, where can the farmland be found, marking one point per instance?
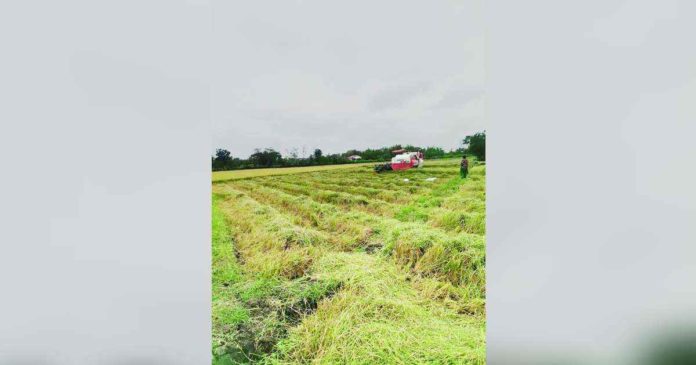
(347, 266)
(243, 174)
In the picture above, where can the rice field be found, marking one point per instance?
(243, 174)
(345, 266)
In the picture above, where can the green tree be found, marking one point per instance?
(222, 159)
(266, 158)
(433, 152)
(476, 145)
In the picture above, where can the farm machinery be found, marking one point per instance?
(403, 160)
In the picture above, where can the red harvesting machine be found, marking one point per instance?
(403, 160)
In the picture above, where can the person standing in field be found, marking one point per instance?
(464, 167)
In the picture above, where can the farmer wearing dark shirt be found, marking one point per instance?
(464, 168)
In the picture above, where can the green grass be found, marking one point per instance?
(227, 310)
(345, 266)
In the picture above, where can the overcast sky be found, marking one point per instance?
(338, 75)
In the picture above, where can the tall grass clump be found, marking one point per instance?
(378, 318)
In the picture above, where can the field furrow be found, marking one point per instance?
(340, 198)
(390, 194)
(371, 181)
(423, 207)
(426, 250)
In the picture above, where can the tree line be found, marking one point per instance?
(223, 160)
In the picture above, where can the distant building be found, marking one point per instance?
(354, 157)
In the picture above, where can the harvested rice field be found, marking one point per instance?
(346, 266)
(243, 174)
